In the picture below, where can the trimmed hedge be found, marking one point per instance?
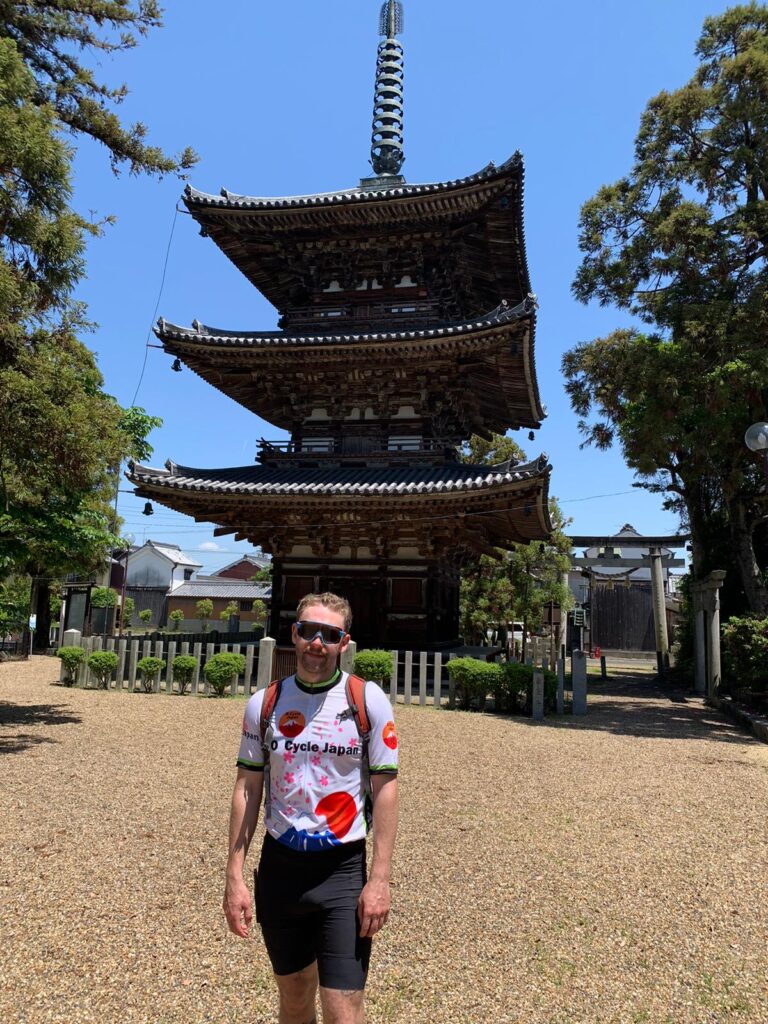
(71, 658)
(184, 666)
(745, 648)
(148, 668)
(103, 664)
(375, 665)
(221, 669)
(510, 684)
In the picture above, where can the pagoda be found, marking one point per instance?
(406, 325)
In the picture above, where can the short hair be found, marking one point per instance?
(337, 604)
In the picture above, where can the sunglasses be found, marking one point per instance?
(329, 635)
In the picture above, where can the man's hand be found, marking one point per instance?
(373, 907)
(237, 907)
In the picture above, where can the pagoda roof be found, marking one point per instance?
(516, 495)
(480, 216)
(500, 345)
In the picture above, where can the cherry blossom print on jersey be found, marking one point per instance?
(291, 723)
(389, 735)
(339, 810)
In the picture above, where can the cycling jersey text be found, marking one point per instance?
(315, 748)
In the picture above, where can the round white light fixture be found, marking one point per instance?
(756, 437)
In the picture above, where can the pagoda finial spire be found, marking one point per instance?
(387, 139)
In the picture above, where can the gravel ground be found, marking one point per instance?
(607, 870)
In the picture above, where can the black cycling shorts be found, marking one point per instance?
(306, 905)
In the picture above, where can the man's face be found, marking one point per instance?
(315, 659)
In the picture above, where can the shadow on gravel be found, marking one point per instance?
(19, 716)
(644, 707)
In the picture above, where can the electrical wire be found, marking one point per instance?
(157, 306)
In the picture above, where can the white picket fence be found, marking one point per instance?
(420, 677)
(417, 677)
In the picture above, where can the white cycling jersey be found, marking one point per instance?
(317, 780)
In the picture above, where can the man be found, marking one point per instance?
(316, 908)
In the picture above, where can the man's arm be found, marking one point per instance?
(243, 818)
(375, 899)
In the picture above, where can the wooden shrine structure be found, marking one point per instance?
(406, 325)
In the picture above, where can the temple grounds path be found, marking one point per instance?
(610, 870)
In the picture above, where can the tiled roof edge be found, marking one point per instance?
(199, 332)
(230, 200)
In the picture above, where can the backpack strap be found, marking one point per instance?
(271, 697)
(356, 700)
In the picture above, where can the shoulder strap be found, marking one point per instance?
(356, 700)
(271, 697)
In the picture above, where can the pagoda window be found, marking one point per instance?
(407, 593)
(326, 313)
(317, 444)
(404, 443)
(402, 309)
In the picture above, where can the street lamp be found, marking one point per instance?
(756, 439)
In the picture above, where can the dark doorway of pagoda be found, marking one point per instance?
(368, 620)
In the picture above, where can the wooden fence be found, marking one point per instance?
(418, 677)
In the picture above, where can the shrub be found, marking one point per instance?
(376, 665)
(516, 692)
(745, 648)
(229, 611)
(103, 597)
(71, 658)
(176, 617)
(129, 607)
(102, 664)
(259, 610)
(221, 669)
(474, 680)
(148, 669)
(146, 615)
(184, 666)
(204, 610)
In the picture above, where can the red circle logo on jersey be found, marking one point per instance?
(291, 723)
(389, 735)
(339, 811)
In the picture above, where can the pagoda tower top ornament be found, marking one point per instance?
(387, 154)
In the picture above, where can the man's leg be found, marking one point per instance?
(342, 1006)
(297, 996)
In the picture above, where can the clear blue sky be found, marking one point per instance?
(276, 99)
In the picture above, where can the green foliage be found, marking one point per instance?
(14, 604)
(103, 597)
(52, 39)
(204, 610)
(221, 669)
(72, 658)
(681, 242)
(375, 665)
(517, 585)
(145, 615)
(176, 617)
(510, 684)
(259, 610)
(129, 609)
(263, 575)
(148, 669)
(479, 451)
(474, 680)
(184, 666)
(231, 609)
(102, 664)
(745, 662)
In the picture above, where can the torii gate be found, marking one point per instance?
(654, 561)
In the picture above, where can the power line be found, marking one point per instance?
(157, 305)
